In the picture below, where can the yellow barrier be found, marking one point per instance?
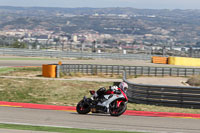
(49, 71)
(184, 61)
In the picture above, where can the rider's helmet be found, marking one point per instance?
(114, 88)
(123, 86)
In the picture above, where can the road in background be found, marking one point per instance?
(96, 121)
(29, 61)
(22, 61)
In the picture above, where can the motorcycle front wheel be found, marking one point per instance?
(117, 111)
(82, 107)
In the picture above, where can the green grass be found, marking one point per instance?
(59, 92)
(7, 71)
(27, 58)
(56, 129)
(46, 91)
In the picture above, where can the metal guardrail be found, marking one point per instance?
(130, 70)
(62, 54)
(176, 96)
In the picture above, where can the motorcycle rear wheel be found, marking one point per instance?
(117, 111)
(82, 107)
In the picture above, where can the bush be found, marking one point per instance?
(194, 81)
(19, 45)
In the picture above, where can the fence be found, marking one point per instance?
(66, 54)
(130, 70)
(187, 97)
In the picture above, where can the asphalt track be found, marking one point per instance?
(11, 61)
(70, 119)
(67, 117)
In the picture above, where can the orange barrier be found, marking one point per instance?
(159, 60)
(49, 71)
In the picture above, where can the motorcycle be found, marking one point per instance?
(113, 104)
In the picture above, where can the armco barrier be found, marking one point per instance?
(176, 96)
(67, 54)
(131, 70)
(94, 69)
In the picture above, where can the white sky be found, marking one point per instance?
(150, 4)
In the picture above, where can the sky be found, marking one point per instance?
(142, 4)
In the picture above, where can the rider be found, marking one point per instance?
(112, 90)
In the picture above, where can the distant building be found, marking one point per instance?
(75, 38)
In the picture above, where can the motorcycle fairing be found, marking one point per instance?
(111, 99)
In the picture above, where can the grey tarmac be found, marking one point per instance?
(77, 61)
(98, 121)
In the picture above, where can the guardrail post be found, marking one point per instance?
(149, 69)
(87, 69)
(106, 70)
(118, 70)
(82, 67)
(155, 71)
(101, 69)
(135, 71)
(78, 68)
(185, 72)
(112, 70)
(177, 72)
(96, 69)
(193, 71)
(170, 72)
(70, 68)
(129, 70)
(57, 71)
(163, 72)
(142, 70)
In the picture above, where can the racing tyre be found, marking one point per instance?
(82, 107)
(117, 111)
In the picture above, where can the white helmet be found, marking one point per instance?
(123, 86)
(114, 88)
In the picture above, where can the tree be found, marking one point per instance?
(18, 44)
(94, 46)
(133, 43)
(57, 40)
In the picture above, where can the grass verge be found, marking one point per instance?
(56, 129)
(6, 69)
(46, 91)
(20, 71)
(69, 93)
(194, 81)
(26, 58)
(59, 92)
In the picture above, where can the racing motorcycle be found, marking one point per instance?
(113, 104)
